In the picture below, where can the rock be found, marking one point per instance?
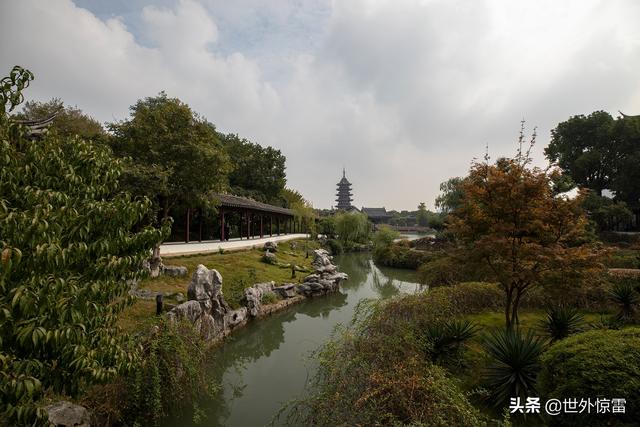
(313, 277)
(236, 317)
(205, 284)
(180, 297)
(303, 288)
(207, 327)
(286, 291)
(175, 270)
(269, 258)
(253, 297)
(154, 264)
(265, 287)
(270, 246)
(67, 414)
(190, 310)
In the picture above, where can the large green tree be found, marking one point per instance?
(70, 243)
(257, 172)
(451, 194)
(69, 121)
(172, 155)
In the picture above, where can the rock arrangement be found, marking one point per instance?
(207, 310)
(67, 414)
(156, 267)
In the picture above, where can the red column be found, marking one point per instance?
(248, 226)
(187, 226)
(261, 232)
(270, 225)
(278, 225)
(222, 236)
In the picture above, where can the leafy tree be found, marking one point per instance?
(352, 227)
(171, 155)
(71, 242)
(422, 216)
(383, 239)
(257, 172)
(583, 147)
(606, 213)
(69, 121)
(451, 195)
(511, 224)
(303, 209)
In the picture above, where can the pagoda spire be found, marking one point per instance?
(343, 194)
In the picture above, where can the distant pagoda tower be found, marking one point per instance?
(344, 193)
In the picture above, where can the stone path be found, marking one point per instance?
(175, 249)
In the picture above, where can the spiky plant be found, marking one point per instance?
(561, 321)
(514, 364)
(624, 294)
(447, 336)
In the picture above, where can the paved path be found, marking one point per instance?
(174, 249)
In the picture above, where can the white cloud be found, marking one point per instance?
(403, 93)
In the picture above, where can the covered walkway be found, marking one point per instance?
(175, 249)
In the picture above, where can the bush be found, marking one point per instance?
(335, 247)
(169, 380)
(561, 321)
(269, 298)
(601, 363)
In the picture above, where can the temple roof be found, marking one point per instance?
(229, 200)
(376, 212)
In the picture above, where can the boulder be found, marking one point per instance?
(286, 291)
(236, 317)
(269, 258)
(190, 310)
(270, 246)
(253, 297)
(205, 284)
(67, 414)
(175, 270)
(208, 327)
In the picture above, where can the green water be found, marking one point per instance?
(267, 363)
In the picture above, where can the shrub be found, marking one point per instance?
(514, 364)
(601, 363)
(269, 298)
(446, 338)
(624, 294)
(335, 247)
(561, 321)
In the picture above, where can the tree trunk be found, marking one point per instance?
(507, 308)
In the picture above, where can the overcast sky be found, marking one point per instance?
(402, 93)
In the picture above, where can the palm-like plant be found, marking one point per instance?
(561, 321)
(625, 295)
(514, 366)
(446, 337)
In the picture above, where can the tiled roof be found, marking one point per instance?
(375, 212)
(228, 200)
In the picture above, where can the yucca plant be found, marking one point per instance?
(624, 294)
(447, 336)
(514, 365)
(561, 321)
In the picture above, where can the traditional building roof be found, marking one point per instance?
(231, 201)
(37, 128)
(344, 194)
(376, 212)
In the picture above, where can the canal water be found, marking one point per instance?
(268, 363)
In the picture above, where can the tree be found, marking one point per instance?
(352, 227)
(511, 224)
(451, 195)
(303, 209)
(69, 121)
(422, 216)
(606, 213)
(71, 243)
(171, 155)
(257, 172)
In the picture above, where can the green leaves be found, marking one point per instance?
(71, 242)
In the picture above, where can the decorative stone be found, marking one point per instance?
(269, 258)
(271, 246)
(286, 291)
(67, 414)
(205, 284)
(190, 310)
(175, 270)
(236, 317)
(207, 327)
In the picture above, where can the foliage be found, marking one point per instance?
(600, 153)
(511, 224)
(170, 379)
(401, 255)
(352, 228)
(383, 239)
(71, 242)
(335, 247)
(257, 172)
(303, 211)
(269, 298)
(625, 295)
(514, 364)
(327, 226)
(68, 122)
(422, 217)
(606, 213)
(446, 337)
(166, 148)
(373, 373)
(451, 195)
(561, 321)
(599, 363)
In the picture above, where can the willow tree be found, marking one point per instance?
(70, 243)
(511, 224)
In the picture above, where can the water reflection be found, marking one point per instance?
(267, 363)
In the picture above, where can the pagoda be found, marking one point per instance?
(344, 194)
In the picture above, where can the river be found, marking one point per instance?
(267, 363)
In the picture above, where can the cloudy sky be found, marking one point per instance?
(402, 93)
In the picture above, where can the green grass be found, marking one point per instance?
(623, 258)
(239, 269)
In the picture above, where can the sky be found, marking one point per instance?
(401, 93)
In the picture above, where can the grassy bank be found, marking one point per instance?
(239, 269)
